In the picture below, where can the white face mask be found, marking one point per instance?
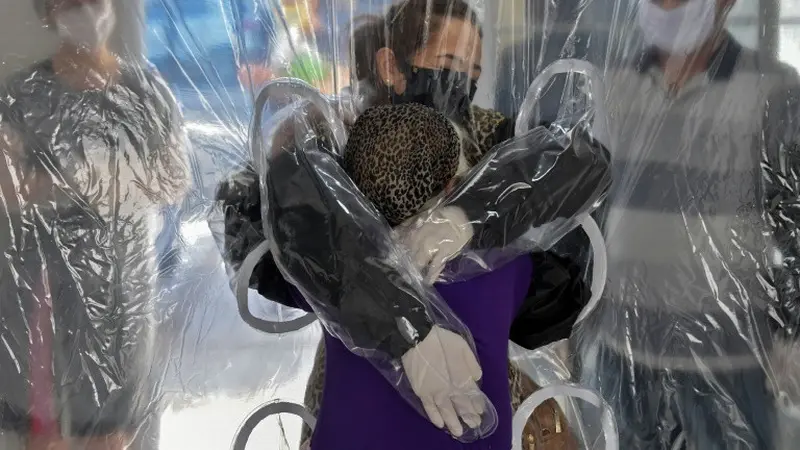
(88, 26)
(680, 30)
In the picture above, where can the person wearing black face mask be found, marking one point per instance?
(448, 91)
(429, 53)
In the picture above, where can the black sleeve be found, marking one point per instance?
(505, 131)
(338, 250)
(556, 297)
(517, 188)
(243, 231)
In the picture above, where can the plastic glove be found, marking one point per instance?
(443, 372)
(435, 239)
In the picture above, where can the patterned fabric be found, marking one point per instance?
(400, 157)
(488, 128)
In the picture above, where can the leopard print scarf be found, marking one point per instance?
(400, 157)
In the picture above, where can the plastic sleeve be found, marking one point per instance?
(243, 231)
(334, 248)
(529, 182)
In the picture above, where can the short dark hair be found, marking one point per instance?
(403, 30)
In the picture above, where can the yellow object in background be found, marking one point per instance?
(300, 13)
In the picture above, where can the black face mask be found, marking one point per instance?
(446, 91)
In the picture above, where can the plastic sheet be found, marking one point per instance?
(683, 344)
(699, 224)
(528, 182)
(91, 157)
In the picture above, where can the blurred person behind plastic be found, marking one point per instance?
(680, 344)
(93, 148)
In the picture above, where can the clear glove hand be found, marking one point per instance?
(443, 373)
(435, 239)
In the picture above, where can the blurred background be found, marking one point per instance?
(217, 369)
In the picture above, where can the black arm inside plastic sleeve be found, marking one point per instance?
(240, 198)
(334, 246)
(517, 187)
(556, 297)
(781, 178)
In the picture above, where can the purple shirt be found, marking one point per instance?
(360, 410)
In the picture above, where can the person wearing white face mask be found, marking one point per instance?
(680, 28)
(681, 344)
(93, 148)
(87, 26)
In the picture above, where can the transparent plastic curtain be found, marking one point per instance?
(357, 97)
(691, 343)
(117, 292)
